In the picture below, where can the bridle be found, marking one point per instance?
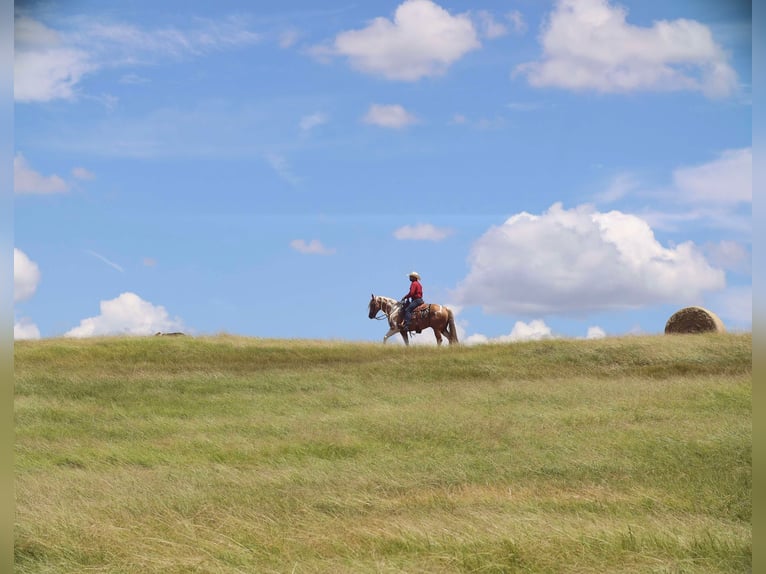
(380, 309)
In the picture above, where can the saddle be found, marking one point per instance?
(422, 311)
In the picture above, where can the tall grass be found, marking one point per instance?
(229, 454)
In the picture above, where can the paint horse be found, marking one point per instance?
(437, 317)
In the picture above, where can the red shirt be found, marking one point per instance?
(416, 290)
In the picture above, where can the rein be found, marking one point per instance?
(381, 310)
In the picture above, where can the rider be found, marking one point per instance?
(415, 297)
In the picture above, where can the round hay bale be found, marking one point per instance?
(694, 320)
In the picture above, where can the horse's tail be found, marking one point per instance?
(451, 325)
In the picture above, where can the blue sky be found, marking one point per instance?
(551, 169)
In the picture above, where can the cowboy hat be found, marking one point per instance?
(414, 274)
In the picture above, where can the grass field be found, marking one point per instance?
(228, 455)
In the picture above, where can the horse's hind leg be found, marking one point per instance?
(438, 337)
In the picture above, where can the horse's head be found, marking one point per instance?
(374, 306)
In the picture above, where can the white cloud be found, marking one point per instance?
(713, 218)
(718, 192)
(497, 122)
(389, 116)
(131, 44)
(595, 332)
(423, 232)
(49, 64)
(127, 314)
(621, 185)
(734, 306)
(26, 276)
(729, 255)
(589, 45)
(475, 339)
(313, 247)
(311, 121)
(28, 181)
(727, 179)
(45, 67)
(133, 79)
(490, 28)
(525, 106)
(516, 19)
(82, 173)
(422, 40)
(24, 328)
(280, 164)
(288, 38)
(535, 330)
(579, 260)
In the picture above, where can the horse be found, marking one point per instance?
(437, 317)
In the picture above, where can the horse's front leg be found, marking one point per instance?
(391, 331)
(405, 336)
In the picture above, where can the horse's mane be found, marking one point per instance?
(393, 304)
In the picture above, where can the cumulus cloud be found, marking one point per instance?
(313, 247)
(589, 45)
(24, 328)
(423, 232)
(26, 276)
(580, 260)
(389, 116)
(595, 332)
(535, 330)
(45, 67)
(422, 40)
(28, 181)
(127, 314)
(727, 179)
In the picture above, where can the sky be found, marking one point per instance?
(576, 169)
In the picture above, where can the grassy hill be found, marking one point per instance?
(228, 455)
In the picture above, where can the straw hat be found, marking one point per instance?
(415, 274)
